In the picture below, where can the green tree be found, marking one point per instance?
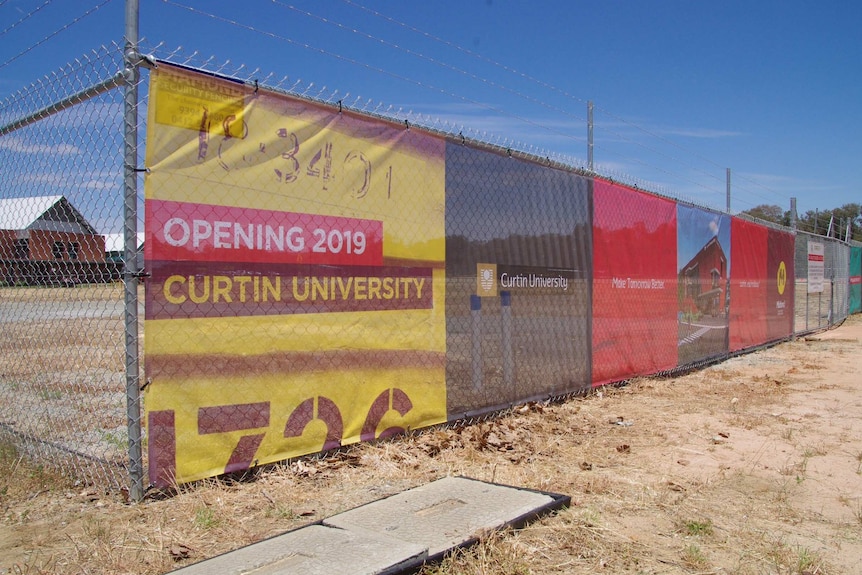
(770, 213)
(817, 221)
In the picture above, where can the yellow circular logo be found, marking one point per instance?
(782, 278)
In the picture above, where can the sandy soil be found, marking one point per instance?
(750, 466)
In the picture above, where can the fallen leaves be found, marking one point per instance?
(721, 437)
(180, 552)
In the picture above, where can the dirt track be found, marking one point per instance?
(751, 466)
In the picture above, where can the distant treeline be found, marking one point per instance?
(816, 221)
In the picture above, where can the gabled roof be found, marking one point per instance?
(53, 213)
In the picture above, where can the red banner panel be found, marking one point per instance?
(780, 283)
(634, 283)
(747, 284)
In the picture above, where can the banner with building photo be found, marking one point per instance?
(296, 293)
(634, 319)
(703, 271)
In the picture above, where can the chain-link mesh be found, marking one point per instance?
(319, 274)
(62, 374)
(525, 334)
(823, 279)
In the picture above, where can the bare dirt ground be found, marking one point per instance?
(752, 466)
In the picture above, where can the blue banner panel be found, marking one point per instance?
(703, 272)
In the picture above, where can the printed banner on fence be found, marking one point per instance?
(703, 260)
(634, 283)
(855, 279)
(517, 271)
(749, 284)
(780, 285)
(297, 285)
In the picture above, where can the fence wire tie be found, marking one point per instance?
(148, 60)
(138, 274)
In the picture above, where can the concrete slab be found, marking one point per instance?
(316, 550)
(447, 513)
(391, 535)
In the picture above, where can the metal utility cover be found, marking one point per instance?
(448, 513)
(315, 550)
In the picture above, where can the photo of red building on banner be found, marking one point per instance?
(703, 280)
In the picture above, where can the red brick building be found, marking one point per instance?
(703, 280)
(45, 240)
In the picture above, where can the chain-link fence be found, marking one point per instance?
(62, 370)
(318, 274)
(822, 282)
(528, 226)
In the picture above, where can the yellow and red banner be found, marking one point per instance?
(296, 294)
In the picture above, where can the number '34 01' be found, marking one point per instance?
(354, 169)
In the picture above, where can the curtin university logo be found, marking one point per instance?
(486, 280)
(782, 278)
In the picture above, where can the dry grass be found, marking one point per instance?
(94, 292)
(747, 467)
(62, 376)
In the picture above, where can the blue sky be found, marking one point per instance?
(682, 89)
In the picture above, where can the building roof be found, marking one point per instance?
(117, 242)
(53, 213)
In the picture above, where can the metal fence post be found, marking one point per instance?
(131, 60)
(728, 190)
(795, 294)
(590, 135)
(476, 337)
(508, 352)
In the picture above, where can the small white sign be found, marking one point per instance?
(815, 267)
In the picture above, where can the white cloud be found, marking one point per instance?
(19, 145)
(102, 185)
